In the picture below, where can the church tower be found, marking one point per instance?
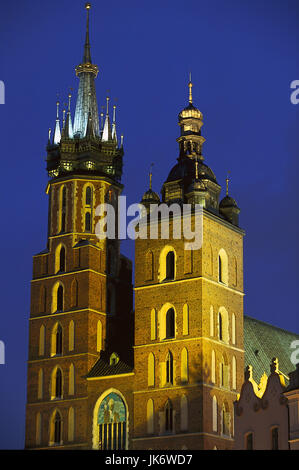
(189, 310)
(76, 316)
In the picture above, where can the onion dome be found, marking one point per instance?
(190, 111)
(228, 207)
(150, 197)
(185, 170)
(227, 201)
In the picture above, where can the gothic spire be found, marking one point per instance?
(57, 133)
(107, 133)
(86, 100)
(114, 136)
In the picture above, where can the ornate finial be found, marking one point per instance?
(69, 105)
(114, 112)
(227, 181)
(274, 365)
(107, 111)
(121, 140)
(57, 109)
(63, 118)
(49, 134)
(190, 85)
(87, 57)
(150, 176)
(248, 373)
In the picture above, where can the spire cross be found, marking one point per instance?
(150, 176)
(227, 181)
(190, 85)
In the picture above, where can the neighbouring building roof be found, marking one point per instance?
(262, 342)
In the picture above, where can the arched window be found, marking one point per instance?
(71, 424)
(57, 298)
(151, 370)
(170, 259)
(153, 325)
(234, 373)
(71, 335)
(99, 335)
(185, 320)
(56, 429)
(184, 413)
(112, 423)
(215, 414)
(149, 266)
(87, 222)
(150, 416)
(225, 420)
(184, 365)
(56, 384)
(222, 267)
(213, 367)
(233, 328)
(88, 196)
(220, 327)
(40, 384)
(169, 368)
(211, 321)
(71, 379)
(59, 340)
(38, 434)
(223, 325)
(56, 340)
(224, 372)
(62, 259)
(41, 350)
(249, 441)
(274, 438)
(170, 323)
(168, 417)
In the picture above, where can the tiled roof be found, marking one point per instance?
(262, 342)
(103, 368)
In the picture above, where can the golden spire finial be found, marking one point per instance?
(150, 176)
(227, 181)
(88, 6)
(190, 85)
(107, 104)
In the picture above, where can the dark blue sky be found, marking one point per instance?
(243, 56)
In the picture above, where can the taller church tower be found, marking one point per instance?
(75, 314)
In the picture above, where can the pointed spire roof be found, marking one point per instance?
(107, 132)
(87, 55)
(57, 132)
(68, 132)
(86, 100)
(114, 136)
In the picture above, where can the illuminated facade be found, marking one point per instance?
(101, 376)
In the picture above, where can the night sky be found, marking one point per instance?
(243, 55)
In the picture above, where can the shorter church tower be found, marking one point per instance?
(189, 311)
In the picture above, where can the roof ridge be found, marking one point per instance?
(270, 324)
